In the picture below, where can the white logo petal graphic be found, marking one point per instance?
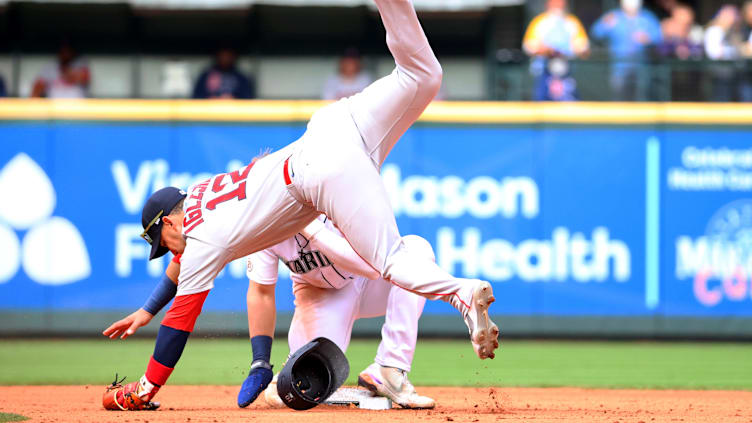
(54, 253)
(10, 253)
(27, 193)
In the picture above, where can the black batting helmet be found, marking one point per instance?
(312, 374)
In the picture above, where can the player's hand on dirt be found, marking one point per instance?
(129, 325)
(125, 397)
(258, 379)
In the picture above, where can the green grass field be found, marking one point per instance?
(11, 417)
(437, 362)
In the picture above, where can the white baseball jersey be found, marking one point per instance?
(232, 215)
(306, 264)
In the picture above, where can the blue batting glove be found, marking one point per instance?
(258, 379)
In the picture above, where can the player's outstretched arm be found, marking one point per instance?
(162, 294)
(338, 250)
(128, 325)
(173, 334)
(262, 309)
(262, 315)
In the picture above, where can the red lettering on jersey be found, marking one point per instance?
(187, 228)
(193, 215)
(236, 176)
(238, 192)
(198, 191)
(218, 186)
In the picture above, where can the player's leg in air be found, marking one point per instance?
(336, 168)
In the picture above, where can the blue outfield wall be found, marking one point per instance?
(644, 230)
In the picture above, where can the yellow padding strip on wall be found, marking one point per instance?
(438, 112)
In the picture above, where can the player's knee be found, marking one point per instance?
(435, 73)
(419, 246)
(430, 82)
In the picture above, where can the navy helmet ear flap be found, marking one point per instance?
(312, 374)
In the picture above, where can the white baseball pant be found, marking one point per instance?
(336, 163)
(331, 313)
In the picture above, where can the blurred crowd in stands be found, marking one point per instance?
(555, 41)
(633, 35)
(69, 77)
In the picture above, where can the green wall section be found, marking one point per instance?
(23, 324)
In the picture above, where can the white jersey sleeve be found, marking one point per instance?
(199, 265)
(263, 267)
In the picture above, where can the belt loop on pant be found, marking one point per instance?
(286, 172)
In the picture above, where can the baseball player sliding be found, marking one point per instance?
(332, 169)
(333, 287)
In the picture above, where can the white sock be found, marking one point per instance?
(145, 387)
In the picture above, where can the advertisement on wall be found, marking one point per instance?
(708, 188)
(564, 220)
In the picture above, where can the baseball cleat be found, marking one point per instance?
(484, 334)
(392, 383)
(271, 396)
(258, 379)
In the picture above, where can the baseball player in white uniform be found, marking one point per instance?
(333, 287)
(332, 169)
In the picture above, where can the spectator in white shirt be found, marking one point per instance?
(746, 91)
(723, 42)
(68, 78)
(350, 78)
(722, 37)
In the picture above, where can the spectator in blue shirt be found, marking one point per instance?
(223, 80)
(629, 31)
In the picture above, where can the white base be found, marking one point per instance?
(362, 398)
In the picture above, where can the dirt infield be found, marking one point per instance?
(217, 404)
